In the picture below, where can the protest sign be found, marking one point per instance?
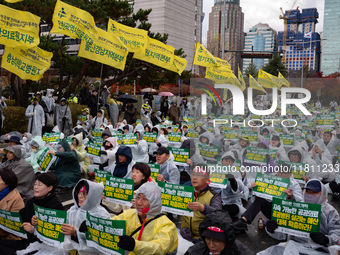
(82, 117)
(51, 137)
(138, 121)
(98, 140)
(278, 129)
(325, 120)
(287, 140)
(192, 133)
(218, 180)
(298, 170)
(189, 124)
(252, 135)
(49, 226)
(100, 176)
(93, 149)
(174, 137)
(11, 222)
(256, 156)
(199, 123)
(180, 155)
(119, 190)
(97, 132)
(175, 198)
(231, 134)
(103, 234)
(207, 151)
(155, 169)
(45, 160)
(188, 118)
(150, 137)
(269, 186)
(129, 139)
(69, 140)
(296, 218)
(173, 128)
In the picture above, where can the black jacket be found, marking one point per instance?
(93, 102)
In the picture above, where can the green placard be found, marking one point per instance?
(192, 133)
(98, 140)
(100, 176)
(93, 149)
(173, 128)
(150, 137)
(48, 229)
(180, 155)
(218, 180)
(199, 123)
(256, 156)
(287, 139)
(103, 234)
(189, 124)
(174, 137)
(119, 190)
(278, 129)
(82, 117)
(175, 198)
(252, 135)
(97, 132)
(12, 223)
(51, 137)
(155, 169)
(298, 170)
(189, 118)
(325, 120)
(231, 134)
(129, 139)
(69, 140)
(45, 160)
(296, 218)
(269, 186)
(138, 121)
(208, 151)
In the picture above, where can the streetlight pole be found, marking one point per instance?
(223, 34)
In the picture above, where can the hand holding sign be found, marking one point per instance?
(68, 229)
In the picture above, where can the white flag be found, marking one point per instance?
(308, 35)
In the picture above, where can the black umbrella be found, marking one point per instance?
(126, 99)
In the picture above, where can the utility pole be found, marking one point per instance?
(223, 26)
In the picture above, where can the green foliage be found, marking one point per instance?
(10, 102)
(15, 119)
(252, 70)
(275, 66)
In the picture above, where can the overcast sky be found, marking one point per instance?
(266, 11)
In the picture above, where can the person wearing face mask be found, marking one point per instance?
(108, 153)
(122, 167)
(36, 118)
(66, 167)
(38, 146)
(148, 231)
(140, 152)
(26, 145)
(316, 193)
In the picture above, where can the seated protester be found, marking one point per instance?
(10, 199)
(241, 145)
(99, 120)
(66, 167)
(13, 140)
(168, 172)
(44, 196)
(294, 193)
(147, 127)
(156, 119)
(26, 145)
(87, 197)
(265, 131)
(128, 129)
(164, 132)
(281, 154)
(85, 124)
(232, 193)
(218, 237)
(200, 130)
(316, 193)
(195, 158)
(148, 231)
(108, 155)
(78, 147)
(206, 201)
(23, 170)
(122, 167)
(106, 134)
(160, 141)
(185, 131)
(38, 146)
(205, 138)
(140, 152)
(84, 133)
(180, 130)
(178, 123)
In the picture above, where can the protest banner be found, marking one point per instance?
(325, 120)
(180, 155)
(173, 128)
(98, 140)
(174, 137)
(51, 137)
(269, 186)
(69, 140)
(256, 156)
(150, 137)
(218, 180)
(11, 222)
(82, 117)
(287, 140)
(232, 135)
(48, 229)
(192, 133)
(296, 218)
(179, 64)
(93, 149)
(175, 198)
(278, 129)
(155, 169)
(45, 160)
(207, 151)
(103, 234)
(100, 176)
(298, 170)
(119, 190)
(188, 119)
(97, 132)
(252, 135)
(199, 123)
(189, 125)
(129, 139)
(138, 121)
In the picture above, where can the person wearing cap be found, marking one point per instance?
(85, 124)
(315, 193)
(148, 231)
(206, 201)
(160, 141)
(36, 118)
(174, 113)
(145, 113)
(38, 146)
(94, 104)
(241, 145)
(13, 140)
(122, 167)
(99, 120)
(168, 170)
(64, 118)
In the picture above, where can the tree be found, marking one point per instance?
(252, 70)
(275, 66)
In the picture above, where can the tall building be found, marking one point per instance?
(300, 50)
(234, 36)
(260, 37)
(181, 20)
(330, 62)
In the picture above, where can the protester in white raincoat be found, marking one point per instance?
(99, 120)
(38, 146)
(140, 151)
(64, 118)
(160, 141)
(108, 155)
(26, 145)
(320, 154)
(36, 118)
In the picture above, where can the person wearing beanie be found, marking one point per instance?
(168, 170)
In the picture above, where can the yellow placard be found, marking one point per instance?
(18, 28)
(158, 54)
(106, 49)
(27, 63)
(203, 57)
(133, 38)
(74, 22)
(255, 85)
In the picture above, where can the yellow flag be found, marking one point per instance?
(225, 94)
(276, 80)
(18, 28)
(203, 57)
(13, 1)
(133, 38)
(223, 63)
(158, 54)
(106, 49)
(265, 80)
(240, 77)
(255, 85)
(74, 22)
(284, 82)
(222, 75)
(179, 65)
(27, 63)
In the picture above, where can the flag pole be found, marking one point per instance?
(310, 51)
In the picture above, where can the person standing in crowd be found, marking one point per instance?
(104, 95)
(49, 101)
(145, 113)
(164, 106)
(36, 118)
(94, 104)
(85, 94)
(174, 113)
(185, 107)
(114, 109)
(3, 105)
(64, 118)
(129, 113)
